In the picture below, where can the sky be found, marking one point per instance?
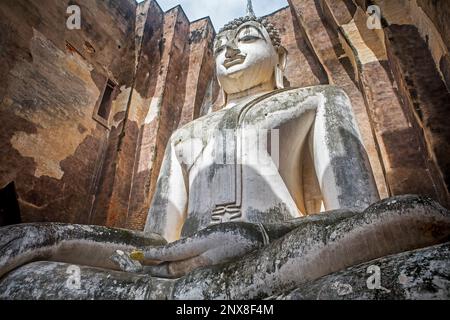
(221, 11)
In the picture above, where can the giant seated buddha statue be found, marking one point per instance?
(269, 194)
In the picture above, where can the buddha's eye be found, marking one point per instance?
(219, 45)
(248, 34)
(218, 50)
(248, 38)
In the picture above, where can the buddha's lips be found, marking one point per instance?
(238, 59)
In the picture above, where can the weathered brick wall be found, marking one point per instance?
(68, 167)
(303, 69)
(400, 72)
(183, 69)
(51, 81)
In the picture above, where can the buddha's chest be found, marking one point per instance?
(234, 168)
(246, 134)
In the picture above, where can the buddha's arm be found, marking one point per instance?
(75, 244)
(168, 209)
(226, 242)
(340, 159)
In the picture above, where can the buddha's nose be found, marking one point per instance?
(231, 51)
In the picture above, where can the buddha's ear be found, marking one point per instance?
(222, 94)
(224, 97)
(282, 58)
(280, 67)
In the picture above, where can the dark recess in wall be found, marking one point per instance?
(9, 206)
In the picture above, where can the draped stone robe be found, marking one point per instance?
(263, 161)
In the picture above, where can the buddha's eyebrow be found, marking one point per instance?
(224, 37)
(221, 40)
(248, 26)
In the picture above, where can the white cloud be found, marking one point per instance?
(221, 11)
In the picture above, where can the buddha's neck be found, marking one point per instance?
(238, 97)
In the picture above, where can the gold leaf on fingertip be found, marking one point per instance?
(137, 255)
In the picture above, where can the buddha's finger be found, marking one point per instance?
(125, 263)
(177, 269)
(232, 239)
(179, 250)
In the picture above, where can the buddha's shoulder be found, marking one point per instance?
(200, 126)
(326, 90)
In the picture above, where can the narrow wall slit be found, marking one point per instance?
(103, 110)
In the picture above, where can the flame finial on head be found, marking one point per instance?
(250, 12)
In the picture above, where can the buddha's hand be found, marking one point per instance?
(214, 245)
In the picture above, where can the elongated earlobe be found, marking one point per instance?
(280, 67)
(279, 77)
(224, 97)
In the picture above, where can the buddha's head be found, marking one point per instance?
(248, 54)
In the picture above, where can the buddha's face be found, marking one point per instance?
(245, 57)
